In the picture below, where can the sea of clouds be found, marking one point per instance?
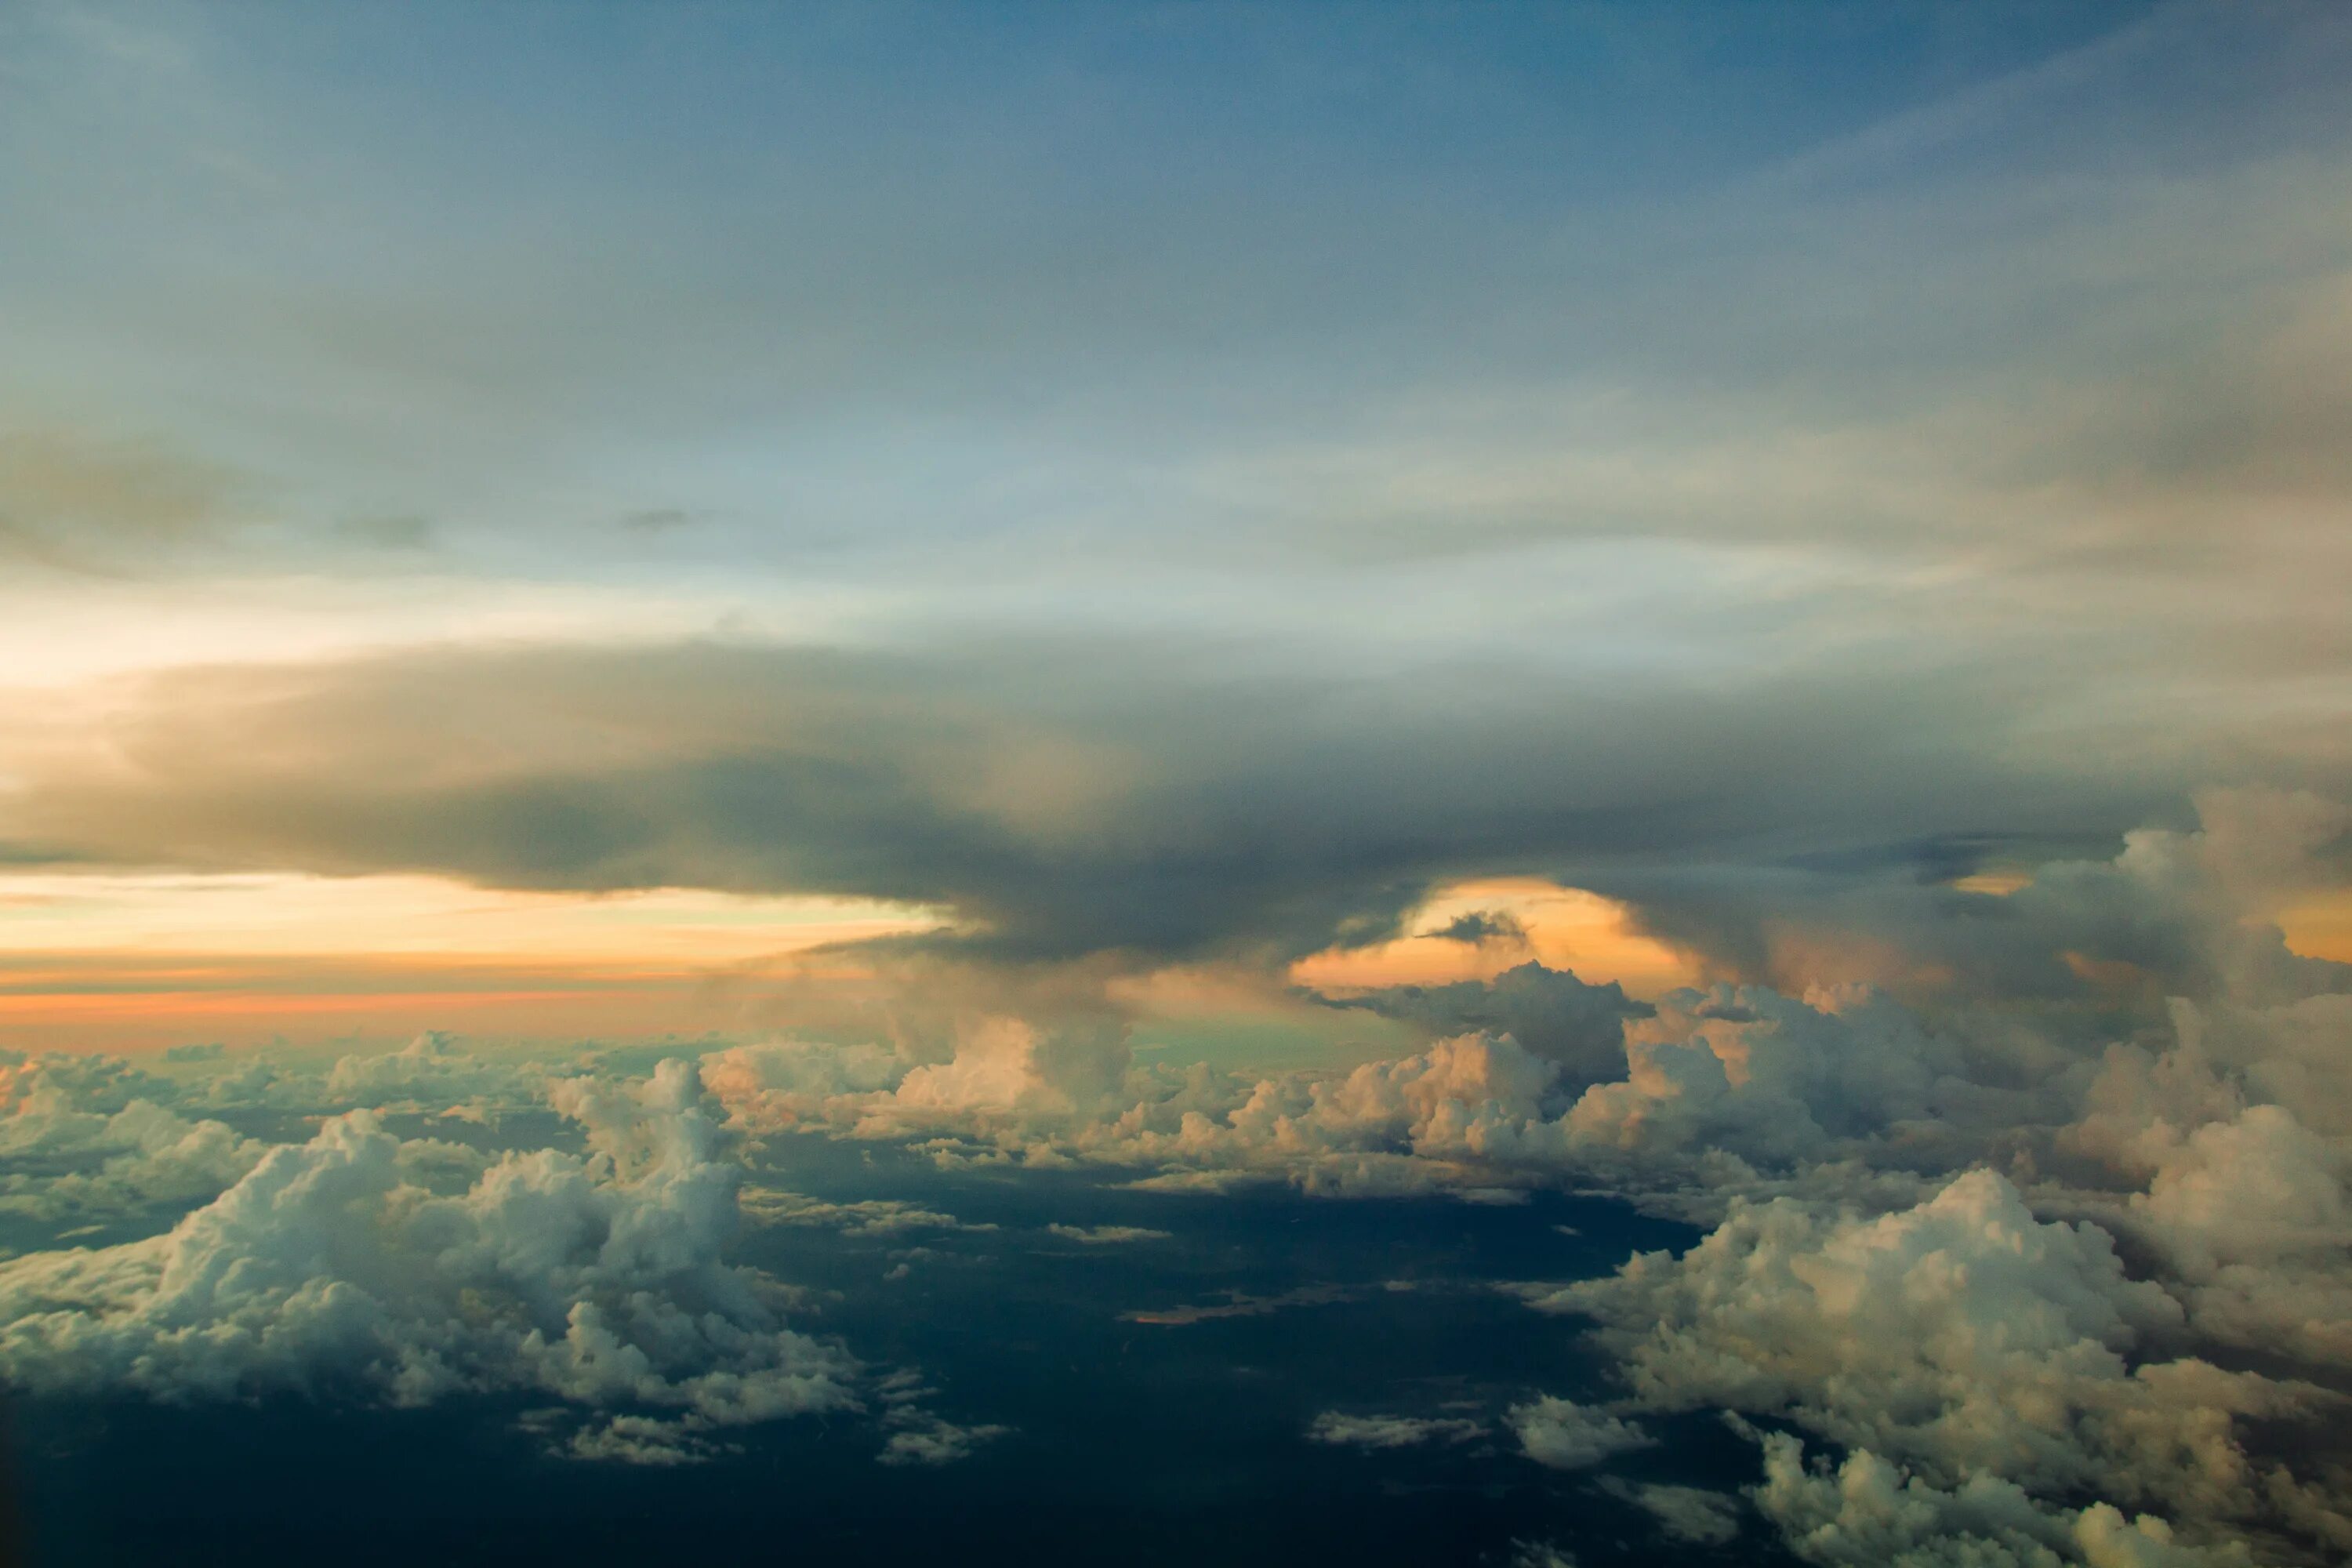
(2031, 1274)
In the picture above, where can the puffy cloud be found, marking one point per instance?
(1462, 1095)
(1936, 1324)
(1012, 1067)
(2177, 905)
(1746, 1070)
(1869, 1277)
(1343, 1430)
(430, 1073)
(96, 1083)
(596, 1279)
(2255, 1187)
(1732, 1089)
(1403, 1126)
(1549, 1012)
(64, 1160)
(2252, 1217)
(999, 1073)
(919, 1436)
(1963, 1340)
(2174, 914)
(778, 1085)
(433, 1074)
(2290, 1055)
(1716, 1084)
(924, 1439)
(1572, 1437)
(639, 1440)
(2240, 1139)
(1868, 1513)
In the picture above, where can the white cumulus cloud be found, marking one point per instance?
(596, 1279)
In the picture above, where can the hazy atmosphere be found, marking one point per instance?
(1538, 786)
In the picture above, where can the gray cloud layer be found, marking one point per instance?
(1070, 796)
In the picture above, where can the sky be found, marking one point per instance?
(1725, 617)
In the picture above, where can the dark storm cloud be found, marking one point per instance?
(1065, 798)
(2159, 919)
(1483, 926)
(1551, 1013)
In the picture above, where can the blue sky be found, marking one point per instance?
(902, 295)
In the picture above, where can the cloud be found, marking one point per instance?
(2176, 913)
(1443, 1118)
(1105, 1235)
(1963, 1340)
(1748, 1071)
(1540, 1554)
(1011, 1065)
(1751, 619)
(1572, 1437)
(1688, 1514)
(2210, 1137)
(918, 1437)
(776, 1086)
(1845, 1090)
(2245, 1202)
(2004, 1377)
(1550, 1013)
(593, 1278)
(1866, 1512)
(929, 1440)
(867, 1217)
(2018, 1240)
(1060, 798)
(980, 1071)
(1342, 1430)
(2255, 1188)
(641, 1440)
(1241, 1304)
(1481, 926)
(63, 1161)
(430, 1072)
(1723, 1087)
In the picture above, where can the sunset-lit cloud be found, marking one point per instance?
(1474, 930)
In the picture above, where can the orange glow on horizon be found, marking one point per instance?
(130, 961)
(1563, 928)
(2320, 927)
(289, 914)
(138, 1011)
